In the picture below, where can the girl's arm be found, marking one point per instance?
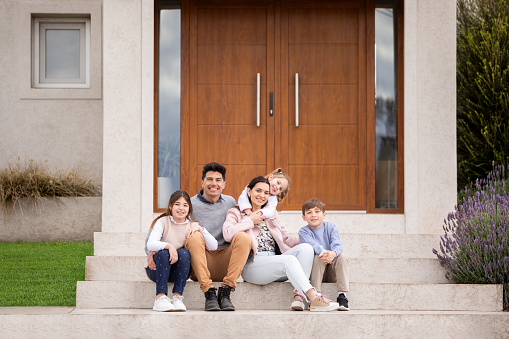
(154, 243)
(244, 200)
(270, 208)
(210, 241)
(234, 224)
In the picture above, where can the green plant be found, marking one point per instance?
(482, 87)
(34, 180)
(168, 157)
(475, 246)
(42, 273)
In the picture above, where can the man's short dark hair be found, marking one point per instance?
(214, 167)
(312, 203)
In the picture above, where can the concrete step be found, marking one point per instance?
(276, 296)
(362, 270)
(144, 323)
(346, 221)
(356, 245)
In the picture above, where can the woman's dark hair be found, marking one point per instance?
(173, 198)
(255, 181)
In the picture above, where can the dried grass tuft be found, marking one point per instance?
(34, 180)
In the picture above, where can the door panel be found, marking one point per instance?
(244, 140)
(230, 44)
(239, 99)
(327, 151)
(322, 25)
(342, 148)
(322, 182)
(325, 43)
(324, 63)
(329, 104)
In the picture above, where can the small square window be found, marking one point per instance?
(61, 53)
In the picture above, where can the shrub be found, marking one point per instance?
(482, 87)
(34, 180)
(475, 246)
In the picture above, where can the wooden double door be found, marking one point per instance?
(302, 66)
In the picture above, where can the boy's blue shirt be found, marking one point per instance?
(325, 237)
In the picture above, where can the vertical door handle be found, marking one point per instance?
(296, 99)
(257, 99)
(271, 104)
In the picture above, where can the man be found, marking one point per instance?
(226, 263)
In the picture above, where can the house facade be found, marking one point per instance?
(355, 100)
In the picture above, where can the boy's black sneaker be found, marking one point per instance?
(211, 300)
(343, 302)
(223, 297)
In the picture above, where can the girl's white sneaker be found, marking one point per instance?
(163, 304)
(178, 304)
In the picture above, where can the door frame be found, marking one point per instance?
(188, 179)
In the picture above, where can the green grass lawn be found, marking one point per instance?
(42, 273)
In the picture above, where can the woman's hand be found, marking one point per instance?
(173, 253)
(257, 217)
(190, 232)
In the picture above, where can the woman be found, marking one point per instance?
(268, 236)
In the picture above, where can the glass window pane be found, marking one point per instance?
(386, 106)
(168, 158)
(62, 53)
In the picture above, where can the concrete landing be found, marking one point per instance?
(145, 323)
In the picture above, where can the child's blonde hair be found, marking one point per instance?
(278, 173)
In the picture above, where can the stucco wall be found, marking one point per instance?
(52, 220)
(65, 129)
(430, 113)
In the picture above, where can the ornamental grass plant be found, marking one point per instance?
(475, 246)
(31, 179)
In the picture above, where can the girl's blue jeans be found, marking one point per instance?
(166, 272)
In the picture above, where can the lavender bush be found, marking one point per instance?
(475, 246)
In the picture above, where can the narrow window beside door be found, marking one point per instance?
(168, 102)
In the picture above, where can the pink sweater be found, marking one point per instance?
(237, 221)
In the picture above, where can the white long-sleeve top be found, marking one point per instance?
(175, 234)
(268, 210)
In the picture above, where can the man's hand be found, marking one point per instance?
(150, 261)
(257, 217)
(190, 232)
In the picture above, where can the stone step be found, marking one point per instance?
(362, 270)
(276, 296)
(346, 221)
(144, 323)
(356, 245)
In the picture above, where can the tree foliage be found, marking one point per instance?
(482, 87)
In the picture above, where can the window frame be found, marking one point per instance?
(371, 204)
(40, 26)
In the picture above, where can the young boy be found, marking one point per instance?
(329, 264)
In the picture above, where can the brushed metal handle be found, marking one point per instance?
(257, 99)
(296, 99)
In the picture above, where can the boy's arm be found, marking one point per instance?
(270, 208)
(305, 236)
(244, 200)
(335, 243)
